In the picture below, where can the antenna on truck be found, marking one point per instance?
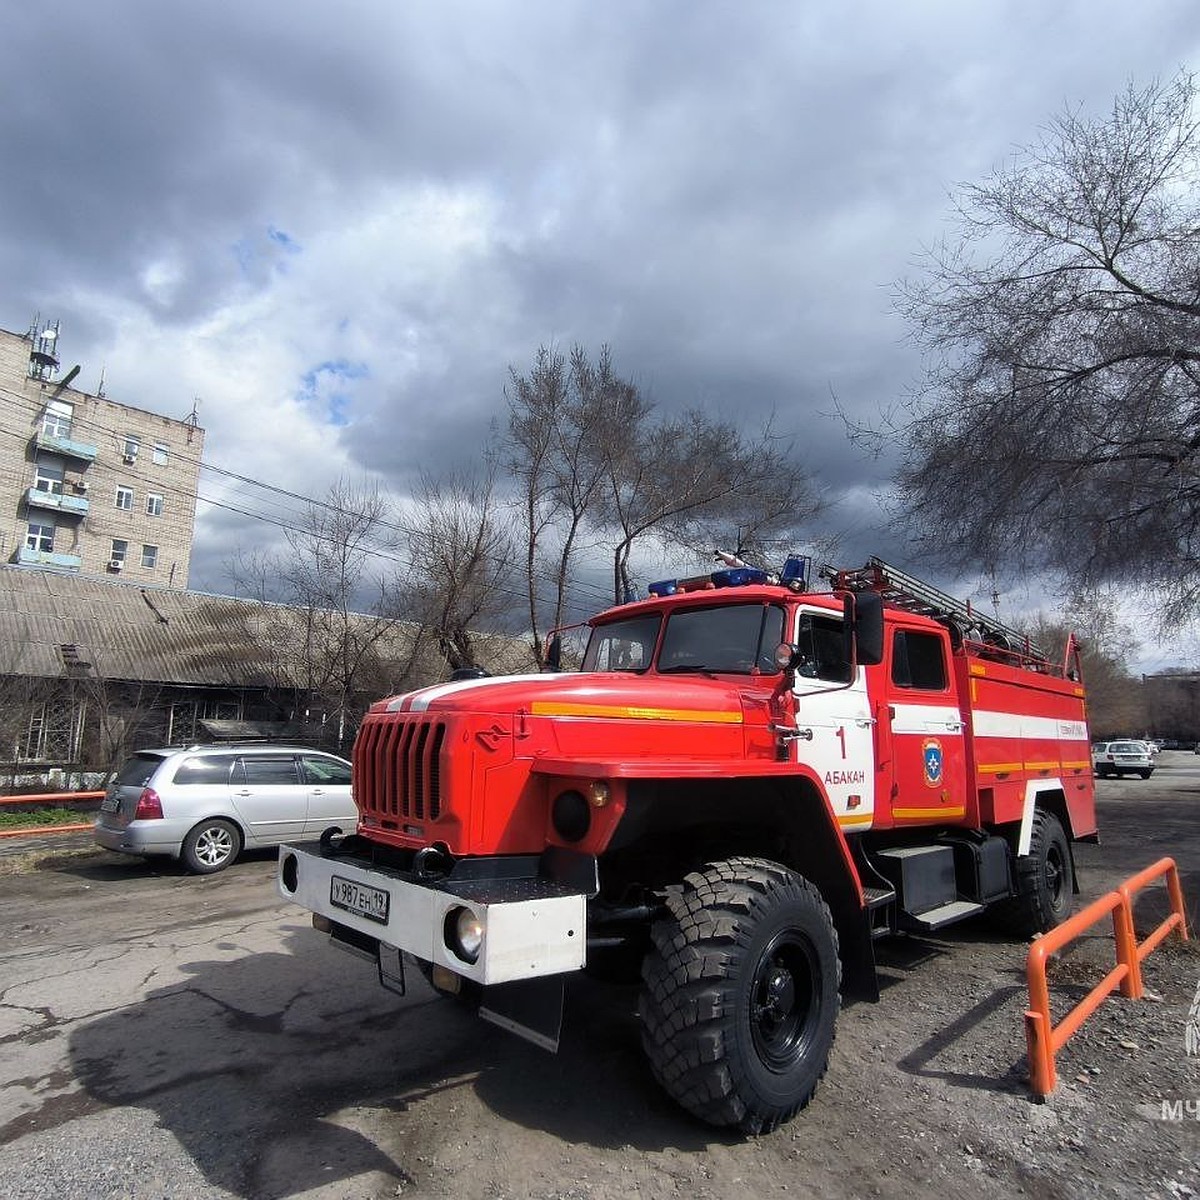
(913, 595)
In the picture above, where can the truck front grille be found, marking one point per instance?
(397, 768)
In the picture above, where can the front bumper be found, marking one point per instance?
(532, 927)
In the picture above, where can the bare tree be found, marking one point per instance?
(331, 571)
(597, 465)
(691, 478)
(1116, 704)
(558, 416)
(1059, 423)
(463, 572)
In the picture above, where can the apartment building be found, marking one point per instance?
(87, 485)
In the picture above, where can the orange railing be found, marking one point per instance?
(48, 799)
(1042, 1037)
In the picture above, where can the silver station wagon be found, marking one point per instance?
(205, 804)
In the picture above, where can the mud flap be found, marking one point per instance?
(530, 1008)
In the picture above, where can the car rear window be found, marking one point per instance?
(137, 771)
(1127, 748)
(204, 769)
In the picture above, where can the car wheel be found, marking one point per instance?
(740, 999)
(1045, 880)
(1145, 774)
(211, 846)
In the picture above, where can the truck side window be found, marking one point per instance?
(821, 643)
(918, 661)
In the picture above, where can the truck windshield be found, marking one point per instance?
(622, 645)
(738, 638)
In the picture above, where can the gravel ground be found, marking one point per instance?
(168, 1036)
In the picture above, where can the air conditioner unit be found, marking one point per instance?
(116, 564)
(81, 485)
(130, 459)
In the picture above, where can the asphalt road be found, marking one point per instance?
(163, 1035)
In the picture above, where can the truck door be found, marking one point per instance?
(923, 728)
(833, 720)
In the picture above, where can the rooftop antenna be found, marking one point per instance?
(43, 356)
(192, 420)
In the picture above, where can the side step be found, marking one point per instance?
(945, 914)
(880, 910)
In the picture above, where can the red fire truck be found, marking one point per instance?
(748, 782)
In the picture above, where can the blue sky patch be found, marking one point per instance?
(319, 386)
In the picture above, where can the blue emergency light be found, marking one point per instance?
(795, 572)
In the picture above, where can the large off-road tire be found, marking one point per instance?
(1045, 879)
(740, 998)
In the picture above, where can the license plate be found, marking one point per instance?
(110, 803)
(369, 902)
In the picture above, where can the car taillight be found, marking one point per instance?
(149, 806)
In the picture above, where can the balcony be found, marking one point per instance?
(48, 558)
(59, 502)
(64, 445)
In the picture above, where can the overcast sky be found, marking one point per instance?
(337, 225)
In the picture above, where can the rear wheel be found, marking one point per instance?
(1045, 878)
(740, 999)
(1145, 774)
(211, 846)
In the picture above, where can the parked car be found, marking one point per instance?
(1122, 758)
(205, 804)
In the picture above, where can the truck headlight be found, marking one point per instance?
(463, 932)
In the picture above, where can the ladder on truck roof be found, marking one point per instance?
(915, 596)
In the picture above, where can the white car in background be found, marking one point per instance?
(1125, 757)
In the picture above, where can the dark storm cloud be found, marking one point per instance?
(347, 221)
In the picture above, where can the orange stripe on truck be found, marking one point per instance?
(631, 712)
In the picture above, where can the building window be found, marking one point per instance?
(52, 734)
(161, 454)
(40, 537)
(130, 447)
(48, 477)
(120, 550)
(154, 505)
(125, 498)
(56, 420)
(150, 557)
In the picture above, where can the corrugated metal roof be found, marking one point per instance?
(157, 635)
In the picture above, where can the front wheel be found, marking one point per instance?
(740, 999)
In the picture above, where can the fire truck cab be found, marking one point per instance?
(747, 783)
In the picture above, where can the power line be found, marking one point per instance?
(582, 594)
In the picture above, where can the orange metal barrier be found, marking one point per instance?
(43, 830)
(50, 798)
(1042, 1037)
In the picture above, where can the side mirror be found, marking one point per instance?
(787, 656)
(554, 653)
(863, 627)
